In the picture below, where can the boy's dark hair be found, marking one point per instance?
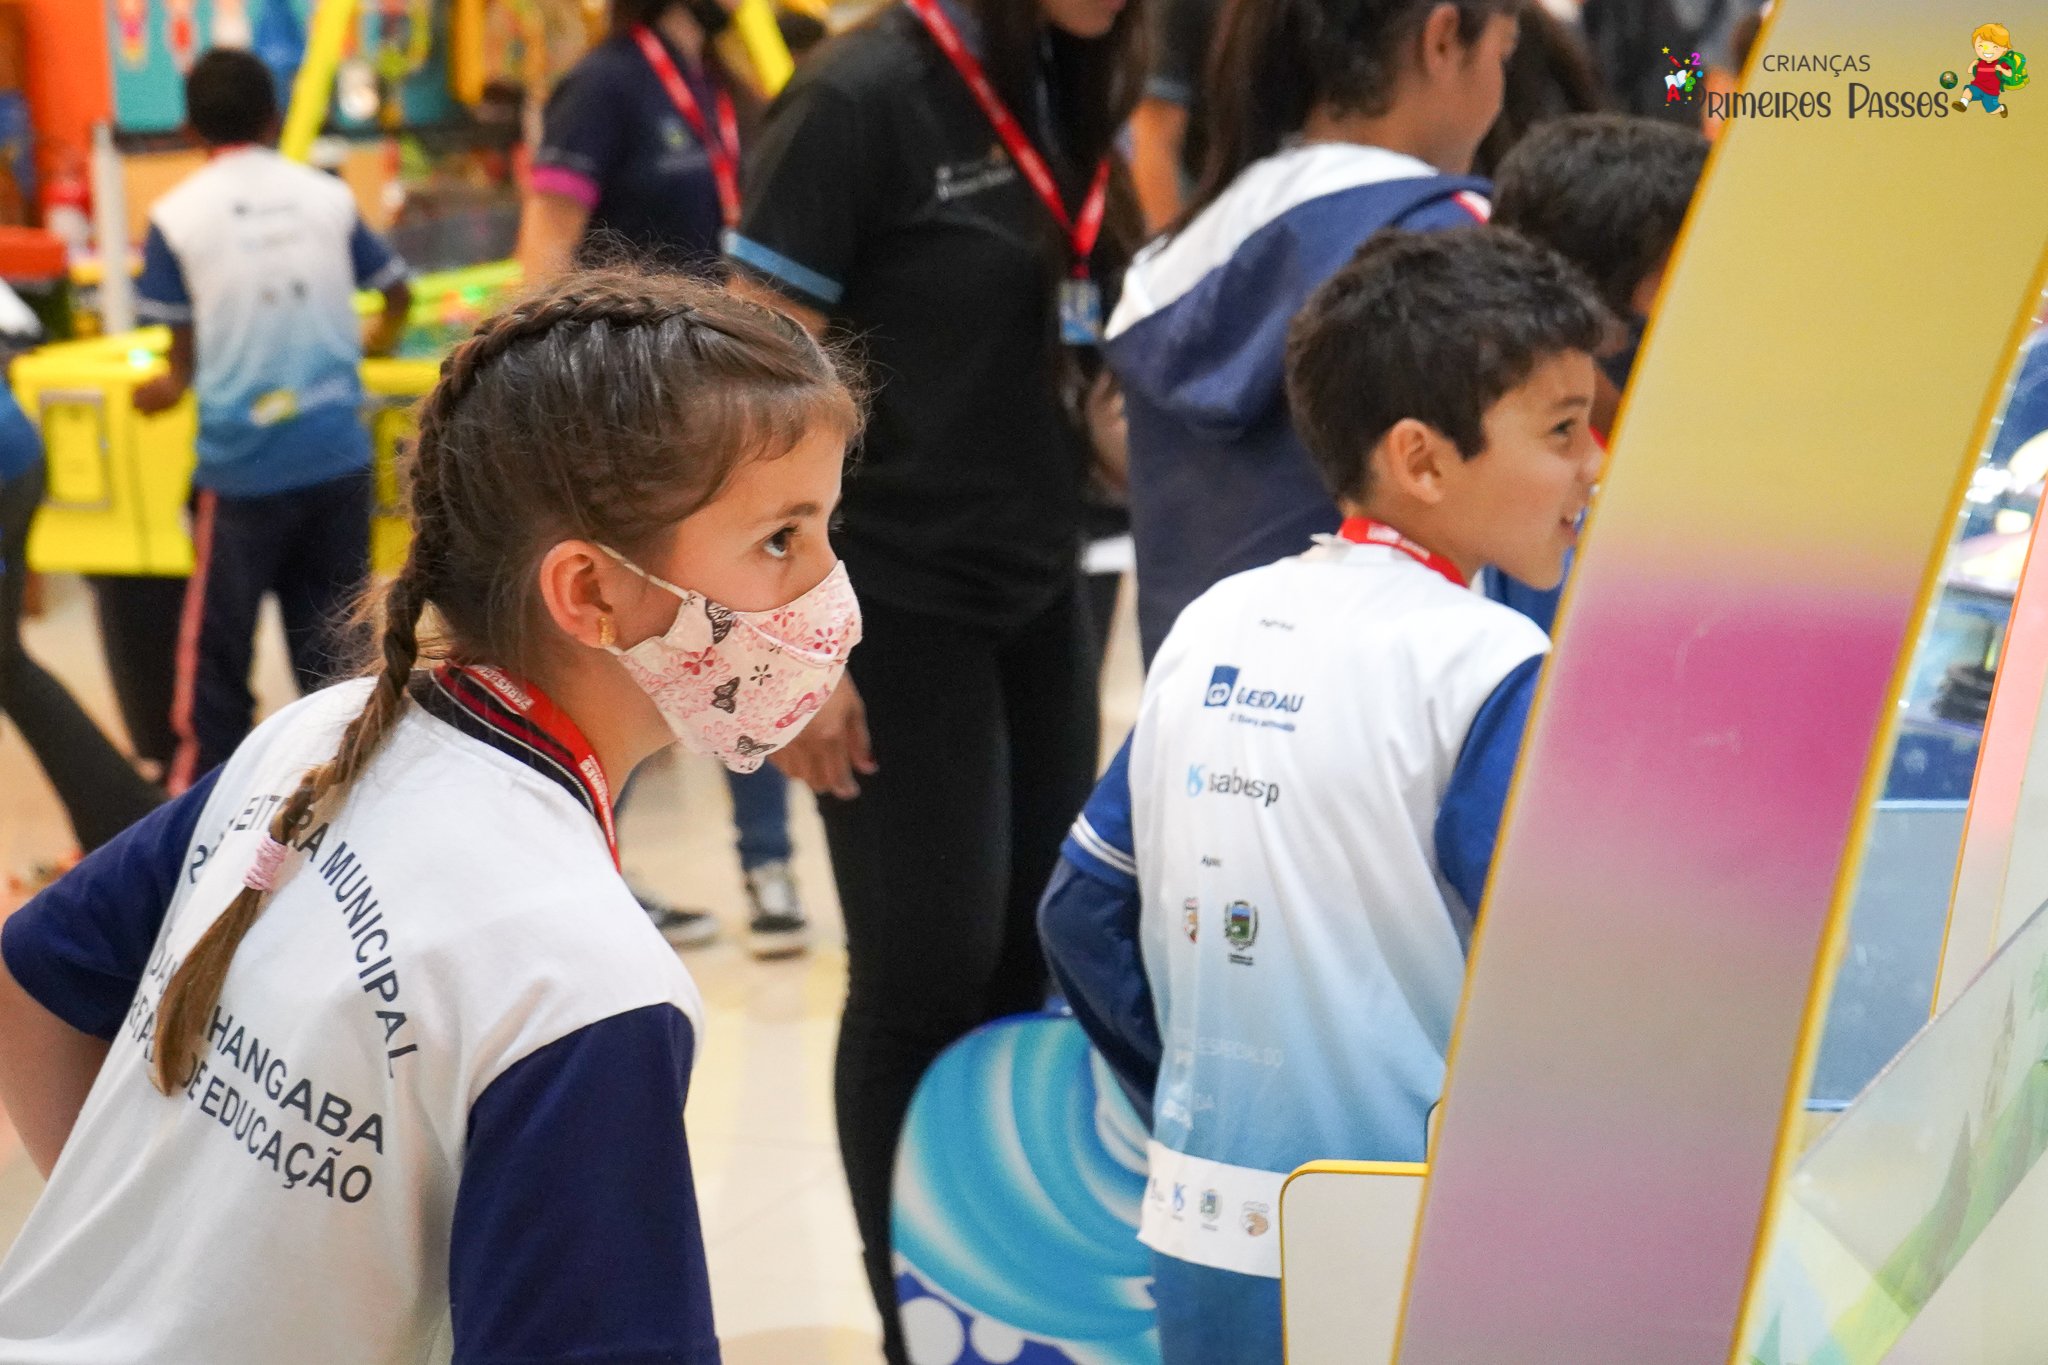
(1431, 325)
(229, 98)
(1609, 191)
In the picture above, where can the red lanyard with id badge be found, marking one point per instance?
(722, 148)
(1080, 296)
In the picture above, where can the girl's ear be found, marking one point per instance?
(574, 581)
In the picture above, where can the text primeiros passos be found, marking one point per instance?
(1856, 99)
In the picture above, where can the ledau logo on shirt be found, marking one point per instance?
(1264, 707)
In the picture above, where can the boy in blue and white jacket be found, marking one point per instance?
(1340, 119)
(1261, 917)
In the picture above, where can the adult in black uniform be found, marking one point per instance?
(885, 199)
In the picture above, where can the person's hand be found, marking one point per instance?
(381, 337)
(160, 394)
(833, 747)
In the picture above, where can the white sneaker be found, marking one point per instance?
(778, 927)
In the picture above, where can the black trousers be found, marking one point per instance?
(138, 619)
(987, 748)
(101, 792)
(310, 546)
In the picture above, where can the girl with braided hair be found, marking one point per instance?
(367, 1020)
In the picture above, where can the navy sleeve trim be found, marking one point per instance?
(1089, 927)
(1100, 841)
(79, 948)
(576, 1233)
(1468, 823)
(375, 264)
(160, 290)
(1085, 846)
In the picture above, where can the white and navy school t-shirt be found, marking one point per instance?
(1306, 893)
(439, 1109)
(262, 257)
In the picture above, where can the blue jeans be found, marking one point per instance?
(760, 814)
(1215, 1317)
(1990, 102)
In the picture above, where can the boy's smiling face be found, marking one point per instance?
(1988, 51)
(1516, 505)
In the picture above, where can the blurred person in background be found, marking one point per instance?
(101, 792)
(264, 333)
(941, 184)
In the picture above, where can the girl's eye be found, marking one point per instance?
(777, 545)
(1563, 430)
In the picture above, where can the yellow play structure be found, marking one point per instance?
(118, 481)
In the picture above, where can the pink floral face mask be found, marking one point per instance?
(738, 685)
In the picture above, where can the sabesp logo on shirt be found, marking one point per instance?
(1233, 783)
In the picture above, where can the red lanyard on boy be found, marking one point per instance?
(1366, 531)
(1080, 299)
(724, 149)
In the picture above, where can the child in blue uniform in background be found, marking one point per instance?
(1261, 917)
(253, 262)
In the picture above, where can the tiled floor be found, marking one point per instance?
(785, 1273)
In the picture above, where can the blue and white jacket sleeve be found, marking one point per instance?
(79, 948)
(161, 294)
(373, 262)
(576, 1234)
(1468, 823)
(1088, 922)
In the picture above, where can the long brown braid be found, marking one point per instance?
(607, 408)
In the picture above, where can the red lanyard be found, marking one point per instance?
(1081, 232)
(1366, 531)
(724, 150)
(539, 727)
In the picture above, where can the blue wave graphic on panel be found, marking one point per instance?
(1018, 1187)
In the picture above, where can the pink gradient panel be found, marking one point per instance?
(1632, 1052)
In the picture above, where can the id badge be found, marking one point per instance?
(1080, 313)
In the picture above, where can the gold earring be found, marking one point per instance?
(606, 636)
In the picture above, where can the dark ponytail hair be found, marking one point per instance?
(1274, 61)
(607, 408)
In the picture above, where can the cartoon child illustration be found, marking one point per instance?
(1998, 70)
